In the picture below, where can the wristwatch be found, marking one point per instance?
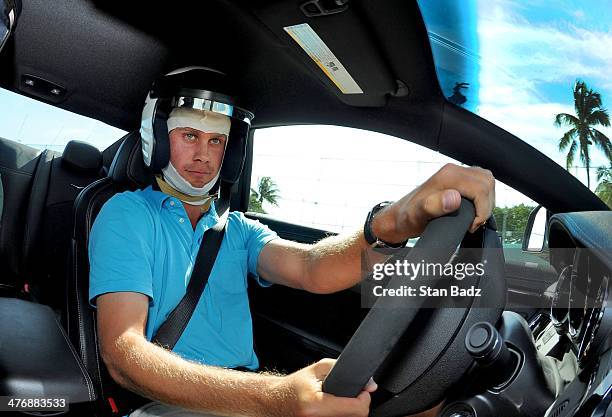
(369, 235)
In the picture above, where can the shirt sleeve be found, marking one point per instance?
(256, 238)
(121, 248)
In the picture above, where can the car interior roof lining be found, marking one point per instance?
(109, 83)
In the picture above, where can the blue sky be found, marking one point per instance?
(522, 60)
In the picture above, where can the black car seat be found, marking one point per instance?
(9, 14)
(18, 164)
(46, 246)
(39, 190)
(127, 172)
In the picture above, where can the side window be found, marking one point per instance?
(511, 214)
(43, 126)
(329, 177)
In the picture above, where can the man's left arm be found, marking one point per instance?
(334, 263)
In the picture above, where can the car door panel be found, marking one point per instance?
(294, 328)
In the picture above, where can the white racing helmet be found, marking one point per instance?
(198, 88)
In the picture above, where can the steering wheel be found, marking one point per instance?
(417, 354)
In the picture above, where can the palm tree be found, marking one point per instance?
(604, 188)
(267, 190)
(589, 113)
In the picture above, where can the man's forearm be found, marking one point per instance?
(335, 263)
(163, 376)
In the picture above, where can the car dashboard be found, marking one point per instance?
(577, 330)
(558, 364)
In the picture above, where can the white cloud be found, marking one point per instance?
(517, 56)
(578, 14)
(553, 52)
(534, 124)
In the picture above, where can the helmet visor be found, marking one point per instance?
(213, 105)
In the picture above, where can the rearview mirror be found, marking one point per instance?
(9, 13)
(535, 232)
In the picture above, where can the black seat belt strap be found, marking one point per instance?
(170, 331)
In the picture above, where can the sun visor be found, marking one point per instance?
(337, 48)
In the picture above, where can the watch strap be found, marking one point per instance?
(368, 233)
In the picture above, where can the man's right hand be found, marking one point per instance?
(307, 398)
(148, 369)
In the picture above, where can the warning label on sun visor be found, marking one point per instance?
(316, 49)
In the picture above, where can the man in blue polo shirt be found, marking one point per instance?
(125, 248)
(144, 243)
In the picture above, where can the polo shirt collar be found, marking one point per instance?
(159, 198)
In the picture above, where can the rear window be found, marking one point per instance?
(44, 126)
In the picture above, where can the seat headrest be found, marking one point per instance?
(128, 168)
(81, 156)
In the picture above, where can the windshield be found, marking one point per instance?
(520, 64)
